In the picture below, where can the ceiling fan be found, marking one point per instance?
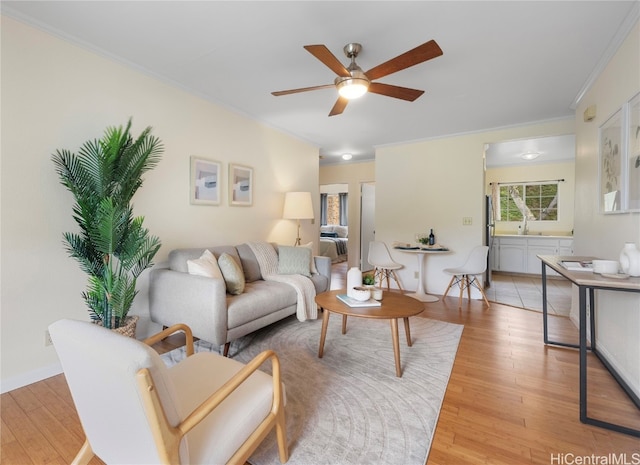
(352, 82)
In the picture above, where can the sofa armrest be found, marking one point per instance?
(323, 265)
(197, 301)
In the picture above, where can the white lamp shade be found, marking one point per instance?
(298, 206)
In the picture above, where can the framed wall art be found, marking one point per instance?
(633, 154)
(205, 181)
(611, 168)
(240, 185)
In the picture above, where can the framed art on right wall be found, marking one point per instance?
(610, 169)
(633, 154)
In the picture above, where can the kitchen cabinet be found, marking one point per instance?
(512, 255)
(495, 253)
(565, 247)
(518, 254)
(539, 246)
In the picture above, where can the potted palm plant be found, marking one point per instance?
(112, 246)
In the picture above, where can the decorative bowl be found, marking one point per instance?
(361, 293)
(605, 266)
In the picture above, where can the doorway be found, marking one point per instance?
(527, 162)
(367, 222)
(334, 222)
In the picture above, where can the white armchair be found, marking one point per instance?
(133, 409)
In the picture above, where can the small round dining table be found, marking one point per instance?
(422, 253)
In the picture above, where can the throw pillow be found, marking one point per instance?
(206, 265)
(326, 228)
(313, 268)
(249, 263)
(329, 234)
(294, 260)
(232, 274)
(343, 231)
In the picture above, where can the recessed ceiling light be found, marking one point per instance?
(347, 156)
(530, 155)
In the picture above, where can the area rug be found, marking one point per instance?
(349, 407)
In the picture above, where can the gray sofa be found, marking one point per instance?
(175, 296)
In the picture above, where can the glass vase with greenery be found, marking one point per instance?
(112, 246)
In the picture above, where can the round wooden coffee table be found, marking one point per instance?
(394, 306)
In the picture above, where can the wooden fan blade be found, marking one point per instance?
(420, 54)
(323, 54)
(302, 89)
(339, 106)
(403, 93)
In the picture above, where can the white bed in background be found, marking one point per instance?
(334, 247)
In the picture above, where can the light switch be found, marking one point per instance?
(467, 221)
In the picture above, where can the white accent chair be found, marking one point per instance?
(465, 276)
(384, 266)
(134, 409)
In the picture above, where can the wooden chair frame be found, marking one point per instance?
(386, 273)
(168, 438)
(463, 281)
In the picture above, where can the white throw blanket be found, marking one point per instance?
(305, 290)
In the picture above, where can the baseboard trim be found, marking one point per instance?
(30, 377)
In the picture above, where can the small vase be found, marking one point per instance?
(630, 259)
(354, 279)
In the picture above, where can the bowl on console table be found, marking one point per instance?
(605, 266)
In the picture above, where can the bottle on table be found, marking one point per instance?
(432, 238)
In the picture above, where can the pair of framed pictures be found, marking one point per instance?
(206, 183)
(620, 159)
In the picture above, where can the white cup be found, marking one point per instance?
(376, 293)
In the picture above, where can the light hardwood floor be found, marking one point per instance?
(510, 399)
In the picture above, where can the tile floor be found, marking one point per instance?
(525, 291)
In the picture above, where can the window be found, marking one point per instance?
(535, 201)
(333, 209)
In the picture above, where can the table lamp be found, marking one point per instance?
(298, 206)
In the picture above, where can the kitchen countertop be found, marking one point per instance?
(553, 236)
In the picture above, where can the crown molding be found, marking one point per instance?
(621, 35)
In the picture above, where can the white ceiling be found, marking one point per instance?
(553, 149)
(504, 63)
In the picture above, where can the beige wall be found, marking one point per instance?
(618, 317)
(56, 95)
(353, 175)
(434, 184)
(533, 173)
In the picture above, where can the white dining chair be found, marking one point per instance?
(384, 266)
(466, 276)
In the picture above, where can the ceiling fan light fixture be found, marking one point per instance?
(352, 82)
(352, 87)
(530, 155)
